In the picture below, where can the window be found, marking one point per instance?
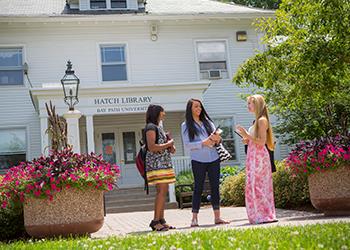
(11, 66)
(119, 4)
(108, 148)
(129, 143)
(98, 4)
(226, 124)
(107, 4)
(212, 59)
(12, 147)
(113, 63)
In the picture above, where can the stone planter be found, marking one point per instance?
(330, 191)
(72, 212)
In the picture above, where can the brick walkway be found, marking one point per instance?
(137, 222)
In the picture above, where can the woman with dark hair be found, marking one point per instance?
(159, 169)
(199, 137)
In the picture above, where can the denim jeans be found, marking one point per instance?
(199, 170)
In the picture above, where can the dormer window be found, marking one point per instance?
(98, 4)
(108, 4)
(119, 4)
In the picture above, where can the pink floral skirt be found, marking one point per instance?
(259, 200)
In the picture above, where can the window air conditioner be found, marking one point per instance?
(214, 74)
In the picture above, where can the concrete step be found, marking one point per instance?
(130, 196)
(126, 193)
(138, 207)
(118, 203)
(131, 199)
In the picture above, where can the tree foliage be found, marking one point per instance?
(265, 4)
(305, 70)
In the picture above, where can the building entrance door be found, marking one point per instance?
(120, 146)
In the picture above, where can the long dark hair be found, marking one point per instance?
(203, 117)
(152, 114)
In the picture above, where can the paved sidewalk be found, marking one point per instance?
(137, 222)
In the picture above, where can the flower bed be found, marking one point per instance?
(326, 162)
(62, 193)
(319, 155)
(46, 176)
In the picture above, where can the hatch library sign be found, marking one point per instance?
(122, 104)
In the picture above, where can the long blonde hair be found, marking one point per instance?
(261, 111)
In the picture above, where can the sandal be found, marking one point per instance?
(163, 222)
(155, 223)
(194, 223)
(221, 221)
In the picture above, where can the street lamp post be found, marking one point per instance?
(70, 83)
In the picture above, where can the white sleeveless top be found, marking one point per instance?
(251, 130)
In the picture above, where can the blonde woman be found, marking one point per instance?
(259, 198)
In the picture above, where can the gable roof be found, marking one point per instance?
(58, 8)
(185, 7)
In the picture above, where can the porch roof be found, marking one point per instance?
(121, 99)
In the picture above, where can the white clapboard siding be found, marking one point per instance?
(224, 99)
(170, 59)
(84, 4)
(17, 111)
(132, 5)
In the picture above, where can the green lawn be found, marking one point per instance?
(320, 236)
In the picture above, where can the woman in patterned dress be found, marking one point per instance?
(259, 198)
(159, 169)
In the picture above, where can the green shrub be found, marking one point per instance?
(11, 220)
(228, 171)
(184, 177)
(232, 190)
(289, 190)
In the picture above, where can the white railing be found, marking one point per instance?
(181, 163)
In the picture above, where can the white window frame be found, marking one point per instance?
(234, 138)
(228, 60)
(26, 131)
(109, 6)
(99, 62)
(15, 46)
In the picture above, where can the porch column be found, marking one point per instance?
(44, 136)
(172, 195)
(73, 138)
(90, 133)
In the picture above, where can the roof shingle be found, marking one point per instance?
(35, 8)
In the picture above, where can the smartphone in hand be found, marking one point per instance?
(168, 136)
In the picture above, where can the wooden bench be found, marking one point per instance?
(184, 194)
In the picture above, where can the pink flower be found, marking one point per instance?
(53, 187)
(4, 204)
(37, 193)
(73, 177)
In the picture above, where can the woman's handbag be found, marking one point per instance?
(224, 155)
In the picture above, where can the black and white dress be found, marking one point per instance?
(159, 168)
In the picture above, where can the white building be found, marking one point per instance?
(127, 54)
